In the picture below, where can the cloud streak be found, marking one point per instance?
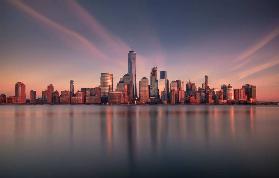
(259, 68)
(245, 57)
(93, 50)
(96, 27)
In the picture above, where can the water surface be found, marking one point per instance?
(139, 141)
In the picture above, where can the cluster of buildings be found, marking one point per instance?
(155, 90)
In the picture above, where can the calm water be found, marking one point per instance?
(139, 141)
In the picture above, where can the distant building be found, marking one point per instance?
(20, 93)
(55, 97)
(50, 90)
(94, 97)
(11, 100)
(115, 97)
(144, 90)
(124, 85)
(65, 97)
(224, 90)
(163, 87)
(106, 84)
(230, 93)
(181, 96)
(33, 97)
(132, 73)
(154, 92)
(79, 98)
(239, 95)
(44, 97)
(190, 88)
(72, 89)
(173, 96)
(174, 92)
(250, 91)
(206, 82)
(3, 99)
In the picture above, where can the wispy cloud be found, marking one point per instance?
(98, 29)
(93, 50)
(274, 61)
(246, 55)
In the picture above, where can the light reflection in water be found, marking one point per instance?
(135, 138)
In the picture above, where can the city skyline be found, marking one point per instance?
(158, 91)
(46, 42)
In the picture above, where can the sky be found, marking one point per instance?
(232, 41)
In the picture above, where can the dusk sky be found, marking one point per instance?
(232, 41)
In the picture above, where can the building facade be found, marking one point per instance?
(132, 72)
(20, 93)
(144, 90)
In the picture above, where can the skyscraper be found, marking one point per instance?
(72, 88)
(50, 90)
(144, 90)
(154, 83)
(206, 81)
(106, 84)
(20, 94)
(132, 72)
(230, 93)
(250, 91)
(33, 97)
(163, 86)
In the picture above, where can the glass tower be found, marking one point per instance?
(132, 72)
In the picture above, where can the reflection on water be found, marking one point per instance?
(138, 141)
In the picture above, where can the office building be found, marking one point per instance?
(250, 91)
(230, 93)
(20, 93)
(154, 92)
(50, 90)
(3, 99)
(106, 84)
(33, 97)
(65, 97)
(78, 98)
(144, 90)
(132, 73)
(206, 82)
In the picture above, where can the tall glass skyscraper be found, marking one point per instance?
(132, 72)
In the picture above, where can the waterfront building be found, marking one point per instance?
(72, 88)
(50, 90)
(55, 97)
(78, 98)
(65, 97)
(94, 97)
(106, 84)
(181, 96)
(206, 82)
(144, 90)
(190, 88)
(132, 73)
(3, 99)
(154, 92)
(224, 90)
(20, 93)
(11, 100)
(163, 87)
(44, 97)
(115, 97)
(173, 96)
(230, 93)
(239, 95)
(33, 97)
(219, 98)
(250, 91)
